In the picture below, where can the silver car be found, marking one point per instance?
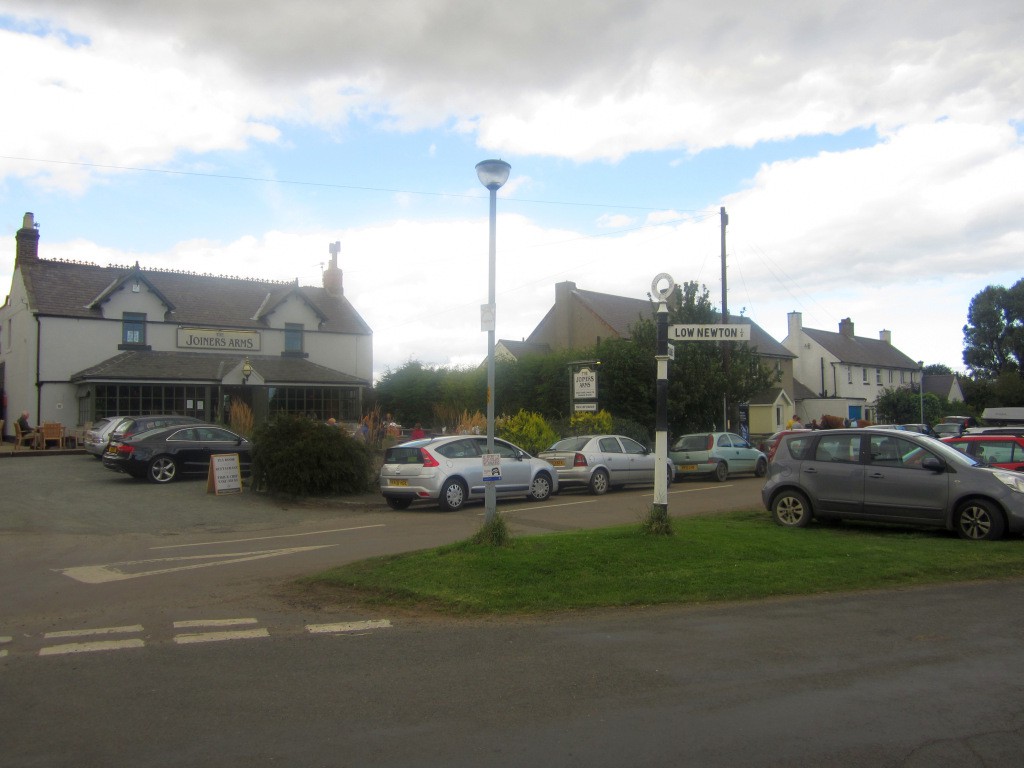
(600, 462)
(450, 471)
(890, 477)
(716, 454)
(98, 435)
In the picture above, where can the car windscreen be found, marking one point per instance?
(570, 444)
(403, 454)
(951, 455)
(691, 443)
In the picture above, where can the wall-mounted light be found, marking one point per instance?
(246, 371)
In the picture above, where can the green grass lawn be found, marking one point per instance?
(737, 556)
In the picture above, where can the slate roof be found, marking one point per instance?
(70, 289)
(858, 350)
(621, 312)
(209, 367)
(519, 348)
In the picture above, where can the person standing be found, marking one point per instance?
(417, 432)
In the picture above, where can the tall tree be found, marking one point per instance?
(994, 334)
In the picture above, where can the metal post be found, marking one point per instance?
(661, 413)
(490, 494)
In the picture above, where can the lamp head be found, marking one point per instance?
(246, 370)
(493, 173)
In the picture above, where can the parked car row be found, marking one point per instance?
(449, 469)
(163, 447)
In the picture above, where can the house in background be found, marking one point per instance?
(79, 342)
(580, 319)
(945, 385)
(504, 349)
(844, 373)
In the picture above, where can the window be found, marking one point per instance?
(890, 376)
(878, 376)
(133, 328)
(292, 337)
(838, 448)
(610, 445)
(849, 374)
(864, 374)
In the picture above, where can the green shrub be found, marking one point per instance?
(528, 430)
(297, 456)
(584, 423)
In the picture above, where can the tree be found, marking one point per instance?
(902, 405)
(994, 334)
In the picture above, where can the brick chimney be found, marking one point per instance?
(332, 275)
(846, 327)
(27, 241)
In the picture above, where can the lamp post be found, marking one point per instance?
(492, 174)
(920, 387)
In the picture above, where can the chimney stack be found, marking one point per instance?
(27, 241)
(332, 275)
(846, 327)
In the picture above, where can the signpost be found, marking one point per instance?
(728, 332)
(225, 474)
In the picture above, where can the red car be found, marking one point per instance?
(1003, 451)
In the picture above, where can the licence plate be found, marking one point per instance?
(401, 483)
(558, 462)
(686, 467)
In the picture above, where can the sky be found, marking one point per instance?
(868, 154)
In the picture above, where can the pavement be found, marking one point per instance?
(7, 450)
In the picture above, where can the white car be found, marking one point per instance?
(450, 471)
(600, 462)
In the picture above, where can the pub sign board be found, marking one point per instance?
(218, 339)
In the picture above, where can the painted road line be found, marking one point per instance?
(348, 626)
(264, 538)
(96, 645)
(4, 641)
(91, 632)
(214, 637)
(92, 646)
(134, 569)
(213, 623)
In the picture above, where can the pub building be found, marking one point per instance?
(79, 342)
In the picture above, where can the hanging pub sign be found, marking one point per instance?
(218, 339)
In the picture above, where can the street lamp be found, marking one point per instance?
(492, 174)
(246, 371)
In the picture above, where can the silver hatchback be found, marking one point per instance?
(600, 462)
(890, 477)
(450, 471)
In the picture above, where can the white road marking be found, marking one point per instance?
(96, 645)
(213, 637)
(348, 626)
(213, 623)
(3, 640)
(264, 538)
(100, 574)
(88, 632)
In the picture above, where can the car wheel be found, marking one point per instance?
(761, 468)
(671, 475)
(162, 469)
(722, 472)
(598, 482)
(540, 489)
(453, 495)
(791, 509)
(398, 502)
(979, 520)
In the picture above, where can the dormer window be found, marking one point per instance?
(293, 338)
(133, 329)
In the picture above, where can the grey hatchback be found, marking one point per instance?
(450, 471)
(891, 477)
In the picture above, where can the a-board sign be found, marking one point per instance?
(492, 467)
(225, 475)
(726, 332)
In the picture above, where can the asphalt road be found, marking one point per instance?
(141, 626)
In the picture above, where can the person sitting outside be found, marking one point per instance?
(27, 429)
(417, 432)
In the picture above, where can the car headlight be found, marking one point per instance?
(1012, 480)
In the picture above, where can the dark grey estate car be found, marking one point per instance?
(891, 477)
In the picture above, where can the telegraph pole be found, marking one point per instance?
(725, 321)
